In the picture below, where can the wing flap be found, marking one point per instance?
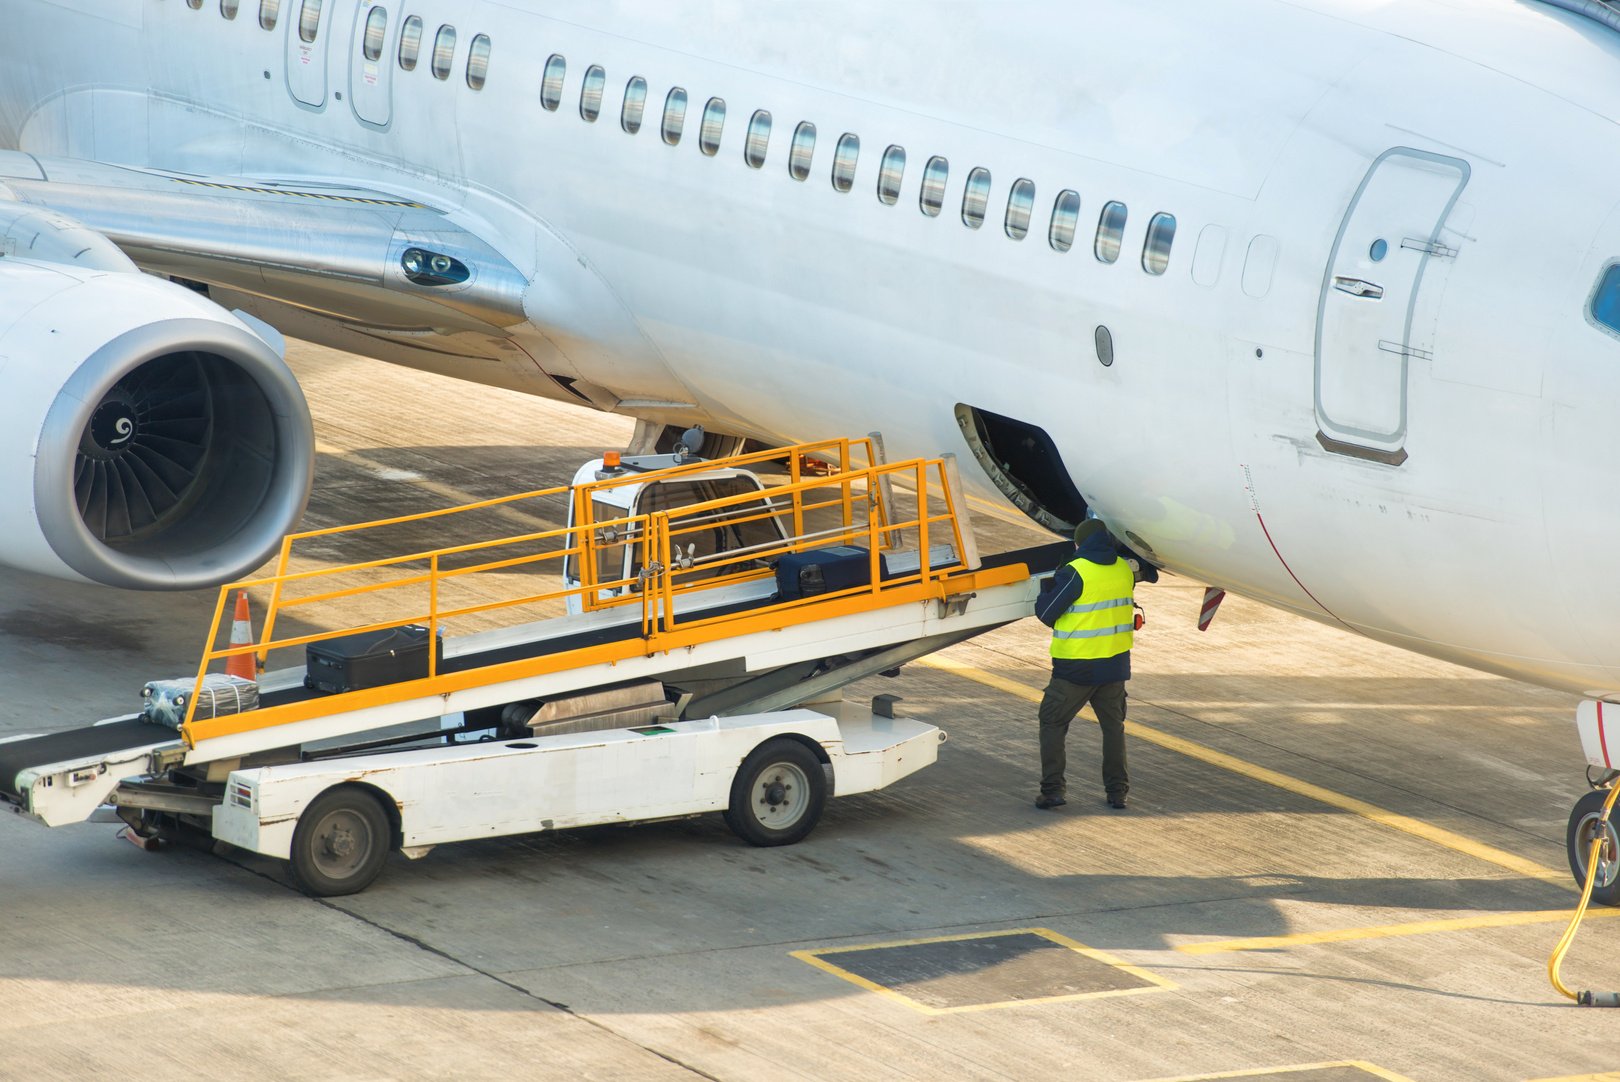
(337, 250)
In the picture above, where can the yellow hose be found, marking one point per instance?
(1585, 999)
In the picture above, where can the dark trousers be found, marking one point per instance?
(1059, 706)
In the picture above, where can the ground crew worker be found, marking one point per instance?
(1088, 606)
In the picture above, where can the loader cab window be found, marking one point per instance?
(1604, 307)
(704, 539)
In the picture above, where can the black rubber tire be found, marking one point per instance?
(341, 842)
(778, 794)
(1584, 815)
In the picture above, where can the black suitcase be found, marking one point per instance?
(825, 571)
(369, 659)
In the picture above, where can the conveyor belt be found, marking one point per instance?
(19, 755)
(86, 743)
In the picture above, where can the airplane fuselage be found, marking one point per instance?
(1356, 377)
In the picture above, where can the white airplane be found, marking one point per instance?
(1316, 300)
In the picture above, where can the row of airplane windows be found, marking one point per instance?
(1061, 229)
(1060, 233)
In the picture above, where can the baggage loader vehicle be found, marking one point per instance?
(670, 638)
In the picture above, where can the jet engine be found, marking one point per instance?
(149, 439)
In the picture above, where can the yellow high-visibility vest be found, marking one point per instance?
(1100, 622)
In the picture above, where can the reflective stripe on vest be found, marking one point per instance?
(1100, 622)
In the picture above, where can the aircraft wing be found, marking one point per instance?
(354, 254)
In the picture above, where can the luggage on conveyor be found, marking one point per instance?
(369, 659)
(166, 700)
(825, 571)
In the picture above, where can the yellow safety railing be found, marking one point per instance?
(805, 511)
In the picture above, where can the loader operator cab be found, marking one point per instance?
(707, 545)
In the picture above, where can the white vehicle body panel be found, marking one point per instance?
(446, 794)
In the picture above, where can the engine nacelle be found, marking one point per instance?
(148, 438)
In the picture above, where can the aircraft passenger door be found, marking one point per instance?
(371, 73)
(1364, 340)
(307, 35)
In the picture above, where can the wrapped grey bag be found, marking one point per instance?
(167, 700)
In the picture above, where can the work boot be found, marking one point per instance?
(1047, 801)
(1117, 801)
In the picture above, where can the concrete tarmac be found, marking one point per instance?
(1340, 862)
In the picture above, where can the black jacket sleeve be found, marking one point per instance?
(1059, 594)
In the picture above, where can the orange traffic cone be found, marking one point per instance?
(243, 665)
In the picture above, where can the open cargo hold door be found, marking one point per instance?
(1025, 465)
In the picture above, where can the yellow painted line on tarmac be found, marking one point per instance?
(1372, 1070)
(817, 958)
(1404, 823)
(1391, 931)
(1605, 1076)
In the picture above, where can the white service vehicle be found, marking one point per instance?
(685, 675)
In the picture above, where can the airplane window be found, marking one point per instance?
(194, 5)
(674, 115)
(1065, 216)
(590, 93)
(890, 172)
(1605, 303)
(478, 62)
(376, 32)
(1161, 232)
(714, 122)
(844, 159)
(269, 13)
(1110, 232)
(410, 43)
(635, 102)
(444, 52)
(229, 8)
(932, 196)
(975, 197)
(309, 20)
(551, 83)
(802, 150)
(1020, 202)
(759, 139)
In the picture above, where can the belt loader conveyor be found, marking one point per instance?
(728, 658)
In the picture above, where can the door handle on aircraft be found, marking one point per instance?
(1358, 288)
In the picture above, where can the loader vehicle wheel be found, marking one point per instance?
(341, 842)
(1583, 828)
(778, 794)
